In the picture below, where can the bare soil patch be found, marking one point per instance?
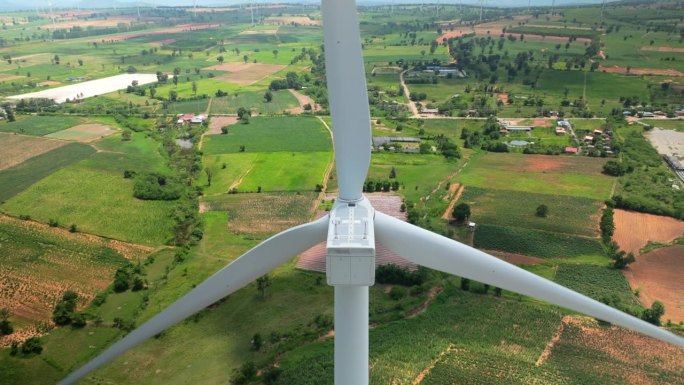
(430, 298)
(662, 49)
(602, 54)
(449, 210)
(503, 98)
(659, 276)
(18, 148)
(160, 43)
(287, 20)
(516, 259)
(7, 77)
(246, 73)
(541, 164)
(303, 100)
(217, 122)
(260, 32)
(634, 230)
(667, 142)
(176, 29)
(49, 83)
(83, 132)
(641, 71)
(109, 22)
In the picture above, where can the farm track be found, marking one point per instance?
(421, 376)
(549, 346)
(450, 208)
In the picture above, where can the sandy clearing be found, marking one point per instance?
(246, 73)
(89, 88)
(659, 276)
(662, 49)
(303, 100)
(259, 32)
(83, 133)
(285, 20)
(26, 57)
(633, 230)
(18, 148)
(541, 163)
(217, 122)
(641, 71)
(450, 209)
(503, 98)
(49, 83)
(110, 22)
(667, 142)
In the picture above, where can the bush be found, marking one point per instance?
(32, 345)
(653, 314)
(6, 328)
(271, 375)
(78, 321)
(155, 186)
(542, 211)
(614, 168)
(393, 274)
(397, 293)
(461, 212)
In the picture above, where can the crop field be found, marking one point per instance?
(83, 133)
(554, 175)
(264, 213)
(247, 73)
(536, 243)
(567, 214)
(263, 134)
(254, 101)
(401, 351)
(18, 178)
(669, 124)
(282, 171)
(601, 283)
(635, 230)
(94, 195)
(18, 148)
(40, 263)
(39, 125)
(658, 276)
(587, 353)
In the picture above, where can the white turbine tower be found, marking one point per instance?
(351, 229)
(603, 7)
(482, 2)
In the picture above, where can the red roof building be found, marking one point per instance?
(571, 150)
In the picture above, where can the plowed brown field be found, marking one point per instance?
(634, 230)
(660, 275)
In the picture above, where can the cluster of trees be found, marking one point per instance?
(616, 168)
(607, 224)
(129, 277)
(381, 186)
(155, 186)
(397, 275)
(30, 346)
(65, 313)
(461, 212)
(620, 258)
(292, 80)
(8, 112)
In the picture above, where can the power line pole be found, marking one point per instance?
(481, 8)
(603, 7)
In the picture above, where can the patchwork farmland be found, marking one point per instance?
(132, 195)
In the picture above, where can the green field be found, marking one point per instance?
(18, 178)
(94, 195)
(282, 101)
(573, 176)
(39, 125)
(270, 134)
(536, 243)
(567, 214)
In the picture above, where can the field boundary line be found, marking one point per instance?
(421, 376)
(549, 345)
(238, 182)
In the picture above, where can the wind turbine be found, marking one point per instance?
(603, 7)
(351, 229)
(481, 7)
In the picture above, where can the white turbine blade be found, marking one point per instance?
(436, 252)
(253, 264)
(348, 96)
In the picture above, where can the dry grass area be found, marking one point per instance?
(83, 132)
(160, 43)
(541, 163)
(246, 73)
(303, 100)
(43, 262)
(176, 29)
(659, 276)
(634, 230)
(631, 358)
(285, 20)
(662, 49)
(217, 122)
(641, 71)
(8, 77)
(495, 28)
(260, 32)
(109, 22)
(18, 148)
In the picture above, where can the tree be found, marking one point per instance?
(653, 314)
(80, 62)
(614, 168)
(194, 87)
(224, 130)
(242, 111)
(245, 58)
(393, 173)
(78, 321)
(256, 342)
(461, 212)
(153, 91)
(268, 96)
(32, 345)
(542, 211)
(210, 173)
(173, 95)
(220, 59)
(275, 53)
(263, 283)
(5, 325)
